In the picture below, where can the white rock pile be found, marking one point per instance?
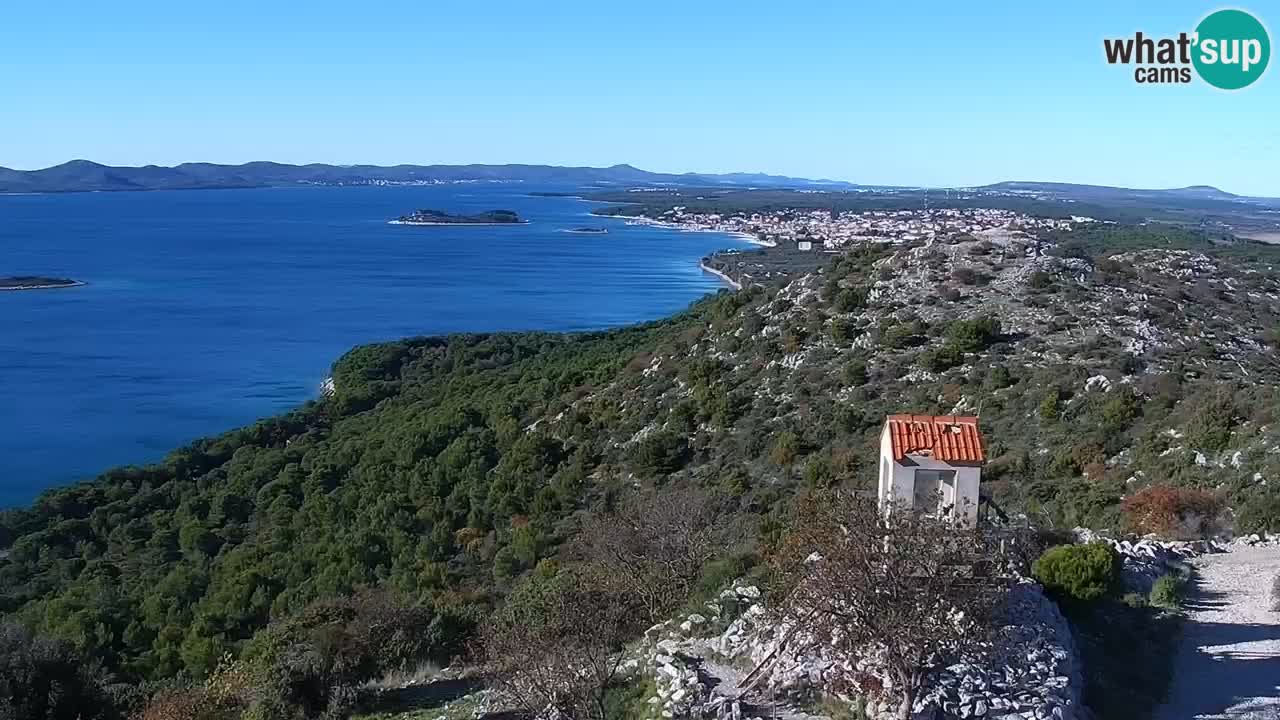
(1148, 558)
(700, 665)
(1257, 540)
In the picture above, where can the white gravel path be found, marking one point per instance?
(1228, 664)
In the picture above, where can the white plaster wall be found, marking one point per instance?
(898, 483)
(966, 504)
(886, 465)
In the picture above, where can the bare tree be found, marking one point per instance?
(912, 591)
(555, 648)
(656, 543)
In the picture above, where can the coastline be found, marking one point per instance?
(455, 224)
(728, 280)
(60, 286)
(703, 245)
(642, 220)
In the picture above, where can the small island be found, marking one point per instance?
(439, 217)
(36, 282)
(588, 230)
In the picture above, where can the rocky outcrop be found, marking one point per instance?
(1147, 559)
(731, 662)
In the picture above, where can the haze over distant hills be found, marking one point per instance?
(1105, 192)
(83, 175)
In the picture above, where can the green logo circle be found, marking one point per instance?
(1232, 49)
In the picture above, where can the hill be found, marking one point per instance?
(1072, 190)
(1100, 361)
(83, 175)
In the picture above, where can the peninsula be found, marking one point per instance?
(36, 282)
(439, 217)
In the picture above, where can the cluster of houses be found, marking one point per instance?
(829, 230)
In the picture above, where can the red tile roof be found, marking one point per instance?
(949, 438)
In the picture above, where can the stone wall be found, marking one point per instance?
(702, 667)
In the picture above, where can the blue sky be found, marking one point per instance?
(936, 93)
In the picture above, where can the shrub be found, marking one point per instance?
(974, 335)
(1040, 280)
(312, 663)
(901, 335)
(1167, 591)
(999, 377)
(1049, 407)
(841, 331)
(940, 359)
(785, 448)
(660, 453)
(223, 696)
(45, 679)
(850, 299)
(855, 372)
(1275, 594)
(1178, 513)
(1135, 600)
(1078, 572)
(1212, 421)
(1257, 513)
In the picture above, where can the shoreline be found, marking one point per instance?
(60, 286)
(728, 280)
(741, 234)
(455, 224)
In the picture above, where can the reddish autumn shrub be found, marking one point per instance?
(1172, 512)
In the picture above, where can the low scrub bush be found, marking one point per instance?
(1172, 512)
(1167, 591)
(1081, 573)
(48, 679)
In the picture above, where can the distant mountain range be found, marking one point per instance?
(83, 175)
(86, 176)
(1107, 192)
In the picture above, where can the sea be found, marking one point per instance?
(205, 310)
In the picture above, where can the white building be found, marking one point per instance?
(932, 463)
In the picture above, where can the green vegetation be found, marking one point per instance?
(1127, 642)
(1100, 241)
(1079, 573)
(48, 679)
(445, 472)
(413, 476)
(439, 217)
(1167, 591)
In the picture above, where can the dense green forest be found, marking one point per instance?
(441, 470)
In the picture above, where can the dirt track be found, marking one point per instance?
(1228, 663)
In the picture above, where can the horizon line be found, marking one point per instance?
(764, 173)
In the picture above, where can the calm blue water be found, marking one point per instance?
(209, 309)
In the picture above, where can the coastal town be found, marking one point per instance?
(795, 241)
(832, 231)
